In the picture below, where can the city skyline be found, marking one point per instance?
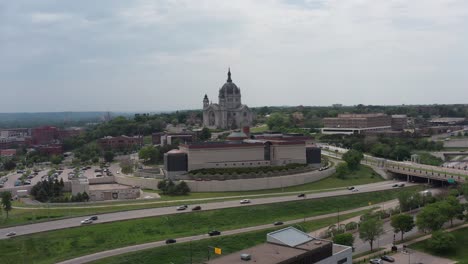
(144, 56)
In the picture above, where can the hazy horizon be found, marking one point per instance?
(153, 56)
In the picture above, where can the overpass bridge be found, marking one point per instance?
(411, 170)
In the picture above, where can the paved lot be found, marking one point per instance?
(415, 257)
(13, 177)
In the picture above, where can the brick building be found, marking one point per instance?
(356, 123)
(120, 142)
(44, 135)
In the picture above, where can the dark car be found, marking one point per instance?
(196, 208)
(277, 223)
(351, 188)
(94, 217)
(170, 241)
(401, 185)
(301, 195)
(387, 258)
(395, 185)
(214, 233)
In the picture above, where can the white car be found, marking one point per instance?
(245, 201)
(355, 190)
(9, 234)
(181, 208)
(86, 221)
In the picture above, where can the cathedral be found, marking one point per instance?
(229, 112)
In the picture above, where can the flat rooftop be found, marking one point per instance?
(269, 253)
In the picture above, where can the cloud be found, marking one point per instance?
(49, 17)
(311, 52)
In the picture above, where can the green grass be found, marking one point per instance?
(180, 253)
(459, 253)
(259, 129)
(428, 159)
(53, 246)
(24, 216)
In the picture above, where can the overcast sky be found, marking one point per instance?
(165, 55)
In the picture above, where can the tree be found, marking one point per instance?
(56, 159)
(205, 134)
(345, 239)
(452, 208)
(85, 197)
(6, 202)
(431, 218)
(9, 165)
(409, 200)
(353, 158)
(149, 154)
(370, 230)
(441, 242)
(109, 156)
(402, 223)
(278, 121)
(342, 170)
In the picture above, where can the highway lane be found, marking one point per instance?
(134, 214)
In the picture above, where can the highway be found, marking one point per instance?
(133, 248)
(134, 214)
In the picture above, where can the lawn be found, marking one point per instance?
(73, 242)
(259, 129)
(459, 253)
(364, 175)
(180, 253)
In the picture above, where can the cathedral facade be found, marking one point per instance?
(229, 112)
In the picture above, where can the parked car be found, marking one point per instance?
(170, 241)
(214, 233)
(86, 221)
(387, 258)
(375, 261)
(351, 188)
(277, 223)
(10, 234)
(245, 201)
(94, 217)
(301, 195)
(196, 208)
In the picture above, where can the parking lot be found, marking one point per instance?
(416, 257)
(89, 173)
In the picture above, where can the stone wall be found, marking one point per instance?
(259, 183)
(141, 182)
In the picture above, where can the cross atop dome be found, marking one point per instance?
(229, 75)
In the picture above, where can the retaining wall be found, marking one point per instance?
(259, 183)
(142, 182)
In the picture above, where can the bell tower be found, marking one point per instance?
(206, 102)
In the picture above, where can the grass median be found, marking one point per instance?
(180, 253)
(364, 175)
(53, 246)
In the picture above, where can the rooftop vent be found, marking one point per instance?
(246, 257)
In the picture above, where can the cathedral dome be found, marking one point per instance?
(229, 87)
